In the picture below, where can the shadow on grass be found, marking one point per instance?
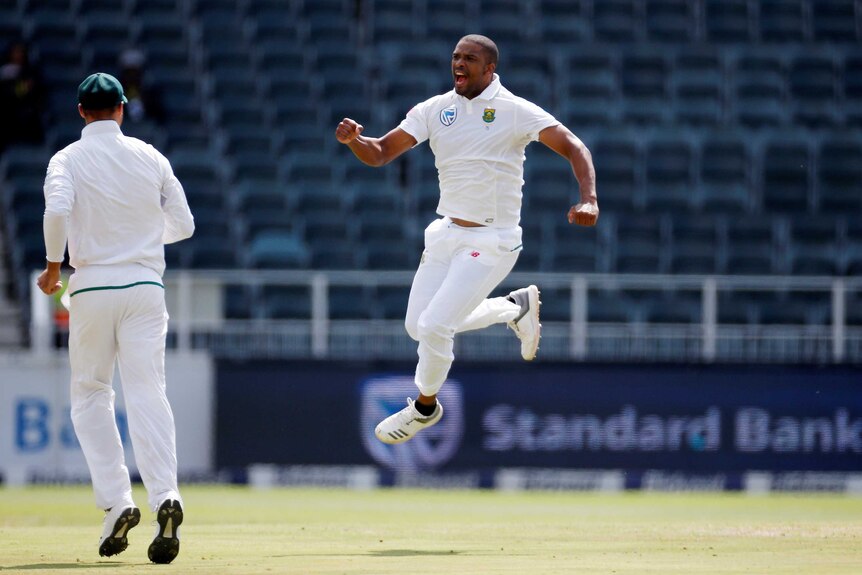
(410, 553)
(77, 565)
(381, 553)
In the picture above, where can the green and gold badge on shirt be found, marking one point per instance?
(488, 115)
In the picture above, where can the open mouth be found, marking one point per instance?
(460, 80)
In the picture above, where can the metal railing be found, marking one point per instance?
(196, 300)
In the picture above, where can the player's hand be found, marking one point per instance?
(584, 214)
(347, 131)
(49, 282)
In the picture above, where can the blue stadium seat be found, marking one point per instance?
(446, 21)
(335, 255)
(669, 179)
(350, 302)
(391, 301)
(786, 175)
(839, 175)
(644, 87)
(610, 306)
(782, 20)
(278, 250)
(670, 21)
(576, 250)
(814, 246)
(640, 245)
(385, 255)
(286, 302)
(696, 245)
(750, 246)
(727, 21)
(725, 173)
(618, 168)
(759, 90)
(834, 21)
(615, 21)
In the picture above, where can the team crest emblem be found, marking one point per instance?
(448, 115)
(488, 115)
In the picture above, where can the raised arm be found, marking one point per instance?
(565, 143)
(373, 151)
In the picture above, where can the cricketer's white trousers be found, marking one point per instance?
(127, 326)
(460, 267)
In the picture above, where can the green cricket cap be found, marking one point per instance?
(100, 91)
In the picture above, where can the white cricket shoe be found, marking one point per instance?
(526, 326)
(118, 521)
(401, 426)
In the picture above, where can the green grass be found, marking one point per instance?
(316, 531)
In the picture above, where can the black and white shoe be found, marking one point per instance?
(118, 521)
(166, 545)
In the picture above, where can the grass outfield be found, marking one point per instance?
(315, 531)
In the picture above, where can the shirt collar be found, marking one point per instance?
(491, 91)
(101, 127)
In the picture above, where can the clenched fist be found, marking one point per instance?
(584, 214)
(347, 131)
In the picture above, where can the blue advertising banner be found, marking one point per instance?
(692, 419)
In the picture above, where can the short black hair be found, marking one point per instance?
(488, 46)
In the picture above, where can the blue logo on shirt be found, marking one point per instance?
(448, 115)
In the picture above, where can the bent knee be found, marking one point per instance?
(412, 330)
(427, 330)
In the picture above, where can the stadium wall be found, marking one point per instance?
(547, 425)
(507, 426)
(37, 440)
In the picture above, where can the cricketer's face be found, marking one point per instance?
(470, 69)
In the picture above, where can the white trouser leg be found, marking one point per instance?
(448, 288)
(92, 350)
(141, 353)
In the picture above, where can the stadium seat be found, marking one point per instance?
(391, 301)
(615, 21)
(640, 244)
(786, 175)
(727, 21)
(834, 21)
(668, 166)
(618, 167)
(506, 29)
(581, 253)
(725, 173)
(644, 87)
(350, 302)
(335, 255)
(749, 246)
(812, 86)
(672, 308)
(277, 250)
(814, 246)
(759, 95)
(610, 306)
(384, 255)
(839, 175)
(445, 21)
(556, 305)
(286, 302)
(238, 302)
(782, 20)
(670, 21)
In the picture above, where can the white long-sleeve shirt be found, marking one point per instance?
(122, 203)
(478, 150)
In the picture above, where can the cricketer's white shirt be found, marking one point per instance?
(122, 203)
(478, 149)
